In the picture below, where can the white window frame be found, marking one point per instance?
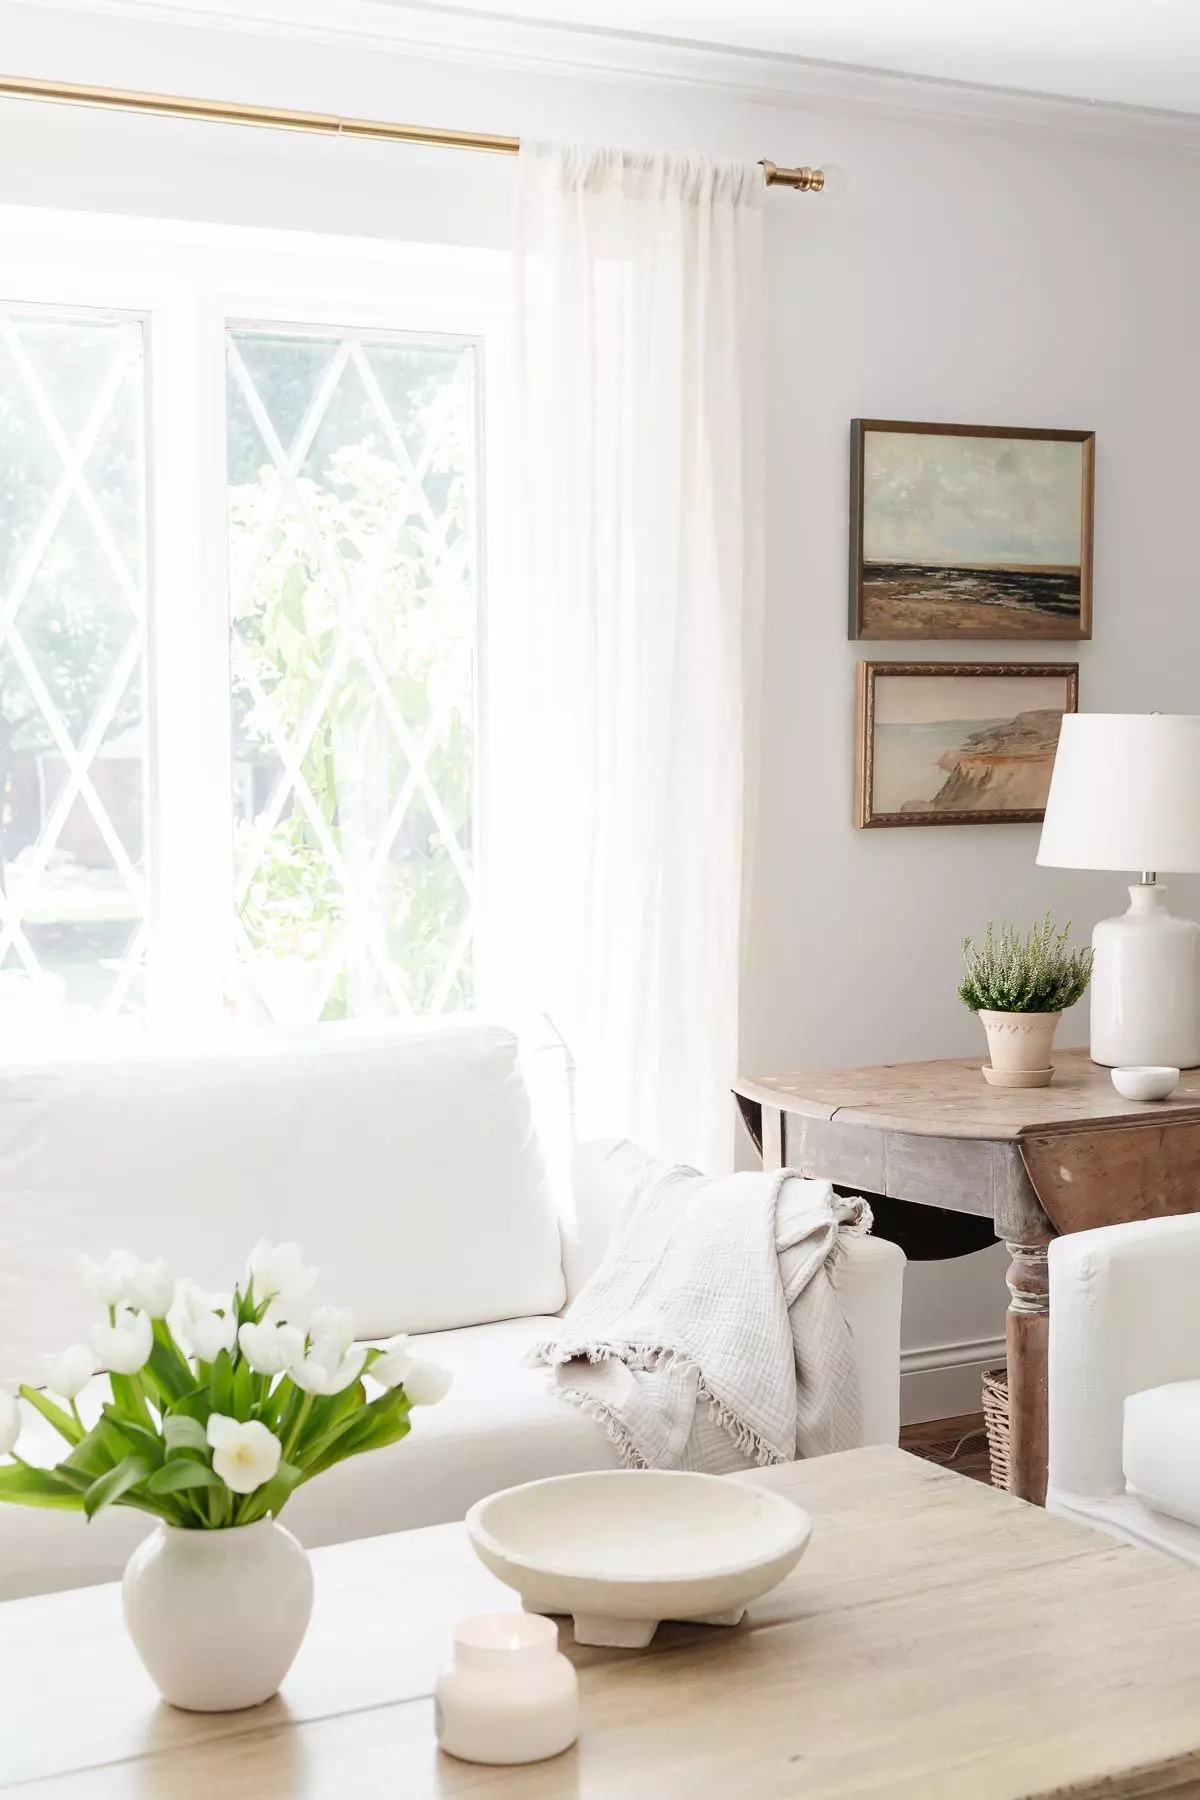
(186, 283)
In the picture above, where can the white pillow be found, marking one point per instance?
(405, 1163)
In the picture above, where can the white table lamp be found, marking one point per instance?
(1125, 794)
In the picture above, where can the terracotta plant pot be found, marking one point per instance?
(1020, 1045)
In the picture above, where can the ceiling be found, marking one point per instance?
(1134, 52)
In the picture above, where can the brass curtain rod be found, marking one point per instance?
(282, 118)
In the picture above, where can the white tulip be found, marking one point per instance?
(10, 1417)
(109, 1280)
(336, 1322)
(244, 1455)
(152, 1288)
(392, 1367)
(271, 1348)
(324, 1372)
(69, 1373)
(427, 1382)
(332, 1362)
(278, 1272)
(204, 1324)
(123, 1347)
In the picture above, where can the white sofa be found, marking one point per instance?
(427, 1173)
(1125, 1382)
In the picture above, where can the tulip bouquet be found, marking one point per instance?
(219, 1407)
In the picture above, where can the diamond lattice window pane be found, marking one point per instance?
(30, 470)
(352, 524)
(72, 644)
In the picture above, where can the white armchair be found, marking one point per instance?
(1125, 1382)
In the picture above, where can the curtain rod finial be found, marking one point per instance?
(806, 181)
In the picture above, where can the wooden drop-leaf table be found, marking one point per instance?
(1037, 1162)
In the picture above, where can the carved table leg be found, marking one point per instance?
(1028, 1338)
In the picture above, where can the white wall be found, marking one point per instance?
(1019, 274)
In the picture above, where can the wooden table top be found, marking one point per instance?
(951, 1099)
(939, 1639)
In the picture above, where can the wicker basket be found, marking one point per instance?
(995, 1418)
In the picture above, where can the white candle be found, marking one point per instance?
(509, 1696)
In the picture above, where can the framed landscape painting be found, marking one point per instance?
(970, 531)
(958, 743)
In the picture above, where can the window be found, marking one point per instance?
(352, 582)
(72, 656)
(239, 623)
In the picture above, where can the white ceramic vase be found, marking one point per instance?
(1020, 1043)
(218, 1616)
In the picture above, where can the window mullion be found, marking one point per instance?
(190, 946)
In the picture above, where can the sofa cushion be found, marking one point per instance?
(1161, 1450)
(403, 1161)
(499, 1425)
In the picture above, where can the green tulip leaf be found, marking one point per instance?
(129, 1399)
(220, 1385)
(182, 1432)
(137, 1436)
(192, 1405)
(109, 1488)
(21, 1485)
(273, 1497)
(62, 1421)
(168, 1365)
(101, 1450)
(180, 1473)
(327, 1413)
(384, 1421)
(242, 1401)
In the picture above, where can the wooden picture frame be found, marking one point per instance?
(961, 757)
(962, 537)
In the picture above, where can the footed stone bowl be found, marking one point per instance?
(621, 1549)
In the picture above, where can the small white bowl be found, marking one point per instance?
(1145, 1083)
(622, 1549)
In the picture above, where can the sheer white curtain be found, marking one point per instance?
(623, 658)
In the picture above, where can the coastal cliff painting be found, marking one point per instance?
(958, 743)
(970, 531)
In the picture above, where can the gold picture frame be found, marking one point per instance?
(970, 531)
(957, 754)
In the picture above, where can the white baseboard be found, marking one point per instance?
(943, 1381)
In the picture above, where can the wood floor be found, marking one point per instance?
(958, 1444)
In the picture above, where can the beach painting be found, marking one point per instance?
(958, 743)
(970, 531)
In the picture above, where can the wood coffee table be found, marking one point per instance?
(940, 1640)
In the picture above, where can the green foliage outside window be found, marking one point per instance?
(358, 621)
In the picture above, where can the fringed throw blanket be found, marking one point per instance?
(711, 1336)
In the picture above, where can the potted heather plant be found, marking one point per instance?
(217, 1411)
(1020, 987)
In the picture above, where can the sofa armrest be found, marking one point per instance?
(1122, 1318)
(868, 1274)
(605, 1175)
(869, 1277)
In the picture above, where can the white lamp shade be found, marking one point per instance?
(1125, 794)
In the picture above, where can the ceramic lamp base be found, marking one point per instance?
(1146, 985)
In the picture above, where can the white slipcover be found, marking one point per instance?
(405, 1163)
(1161, 1450)
(459, 1188)
(1125, 1382)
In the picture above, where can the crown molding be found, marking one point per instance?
(458, 34)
